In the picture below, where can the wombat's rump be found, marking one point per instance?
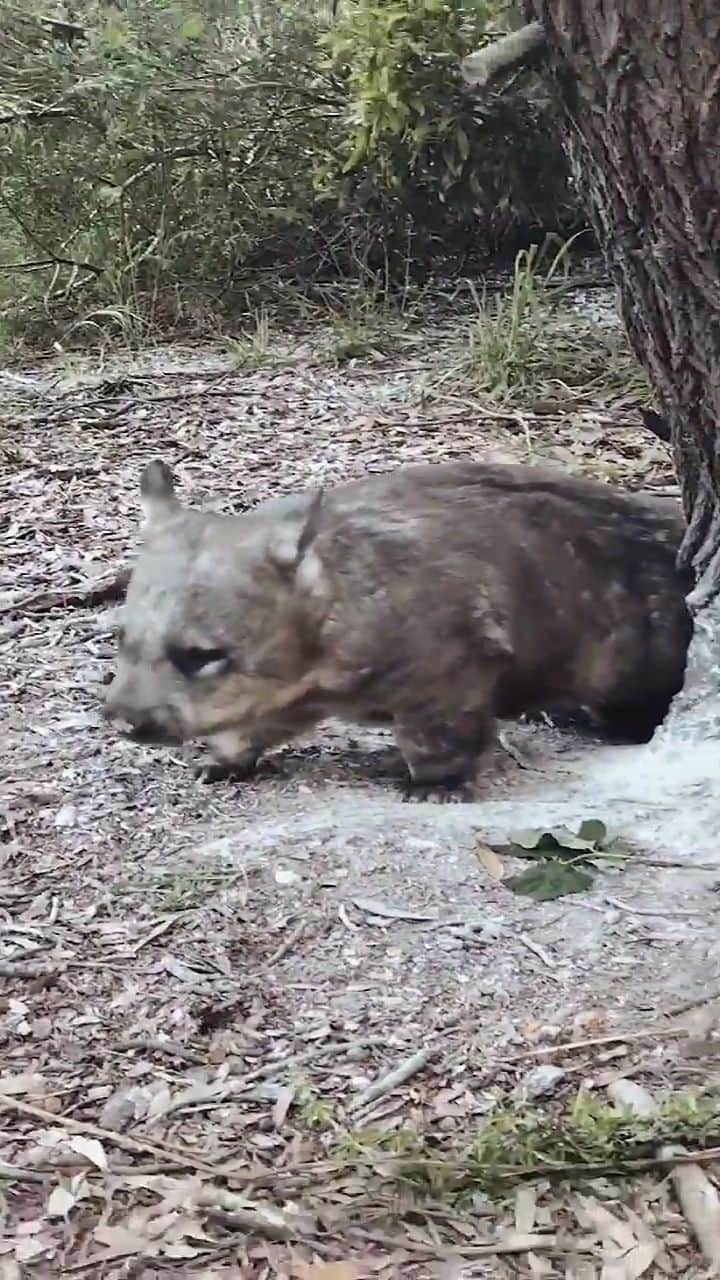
(434, 598)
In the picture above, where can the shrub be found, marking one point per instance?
(176, 154)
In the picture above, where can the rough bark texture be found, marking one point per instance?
(641, 87)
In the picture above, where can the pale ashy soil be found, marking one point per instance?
(309, 930)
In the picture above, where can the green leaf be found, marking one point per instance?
(593, 829)
(192, 28)
(568, 840)
(463, 143)
(549, 880)
(560, 841)
(533, 839)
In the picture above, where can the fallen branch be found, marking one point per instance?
(699, 1201)
(399, 1075)
(697, 1196)
(537, 950)
(696, 1002)
(24, 971)
(572, 1046)
(287, 944)
(105, 592)
(648, 911)
(153, 1044)
(15, 1173)
(236, 1214)
(518, 48)
(121, 1140)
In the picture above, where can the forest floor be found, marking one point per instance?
(199, 985)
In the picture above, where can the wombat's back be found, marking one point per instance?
(578, 579)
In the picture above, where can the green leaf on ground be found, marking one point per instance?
(559, 842)
(549, 880)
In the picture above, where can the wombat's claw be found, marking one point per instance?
(454, 791)
(211, 773)
(513, 752)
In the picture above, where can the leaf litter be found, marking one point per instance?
(191, 1027)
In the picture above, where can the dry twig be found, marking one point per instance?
(388, 1082)
(697, 1196)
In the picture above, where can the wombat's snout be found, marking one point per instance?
(142, 723)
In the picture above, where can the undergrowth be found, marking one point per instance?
(164, 164)
(516, 1143)
(524, 344)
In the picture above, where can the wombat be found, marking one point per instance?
(434, 598)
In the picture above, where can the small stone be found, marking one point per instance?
(286, 875)
(543, 1033)
(66, 816)
(541, 1082)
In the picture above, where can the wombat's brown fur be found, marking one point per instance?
(434, 598)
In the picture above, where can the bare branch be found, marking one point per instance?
(35, 116)
(518, 48)
(39, 263)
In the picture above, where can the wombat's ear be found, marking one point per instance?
(292, 540)
(157, 492)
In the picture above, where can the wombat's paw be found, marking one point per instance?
(454, 791)
(217, 772)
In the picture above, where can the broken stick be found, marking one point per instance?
(518, 48)
(697, 1196)
(399, 1075)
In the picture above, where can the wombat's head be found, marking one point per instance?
(211, 629)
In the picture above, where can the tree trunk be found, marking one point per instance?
(640, 82)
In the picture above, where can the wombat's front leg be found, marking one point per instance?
(234, 759)
(236, 754)
(442, 757)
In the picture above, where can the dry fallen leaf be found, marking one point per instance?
(326, 1271)
(60, 1202)
(123, 1240)
(525, 1206)
(490, 861)
(24, 1082)
(625, 1257)
(90, 1148)
(282, 1105)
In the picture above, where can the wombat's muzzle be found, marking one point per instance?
(140, 727)
(142, 724)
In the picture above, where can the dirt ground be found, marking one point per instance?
(199, 983)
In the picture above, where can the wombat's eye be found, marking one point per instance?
(193, 661)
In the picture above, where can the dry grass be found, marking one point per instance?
(523, 345)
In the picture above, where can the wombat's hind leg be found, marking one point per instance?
(442, 757)
(634, 721)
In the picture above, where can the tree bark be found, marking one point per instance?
(640, 84)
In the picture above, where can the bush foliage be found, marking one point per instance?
(155, 152)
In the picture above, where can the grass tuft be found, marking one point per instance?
(524, 345)
(520, 1143)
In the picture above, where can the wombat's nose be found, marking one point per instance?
(146, 730)
(133, 721)
(137, 725)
